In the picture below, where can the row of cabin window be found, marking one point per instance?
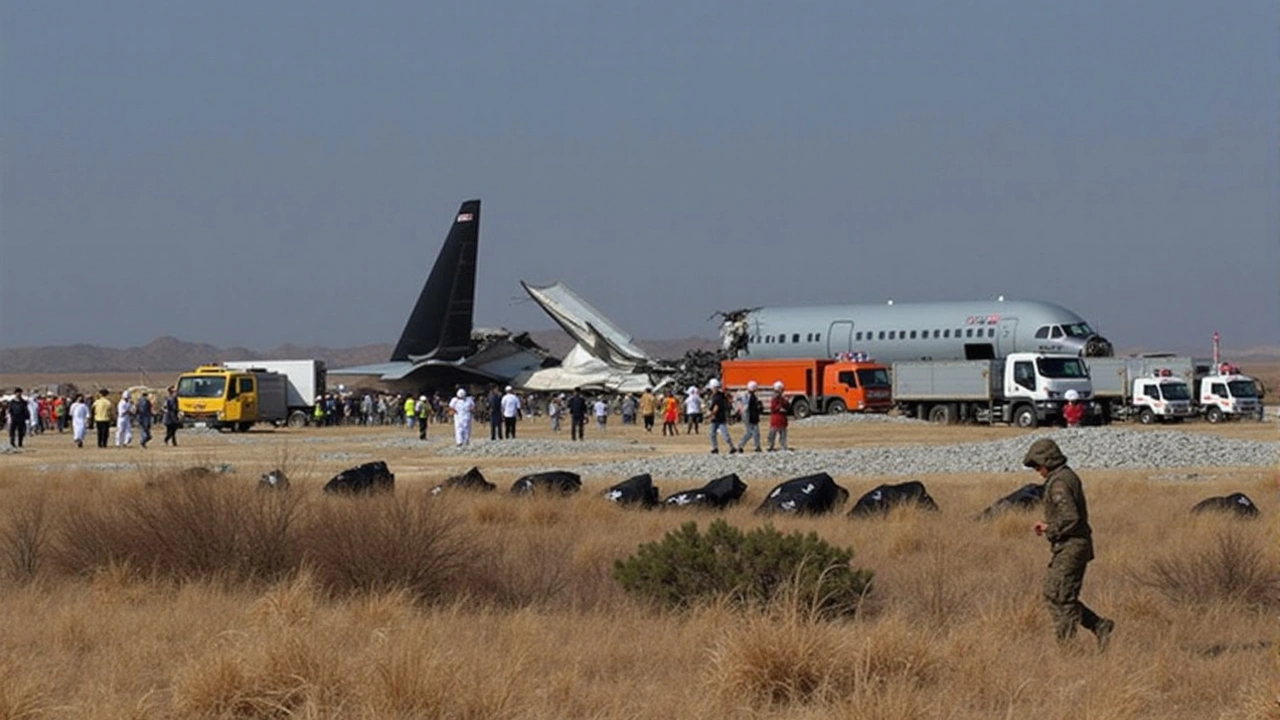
(885, 335)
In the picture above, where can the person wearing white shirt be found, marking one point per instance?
(79, 420)
(510, 413)
(462, 407)
(124, 420)
(601, 409)
(692, 411)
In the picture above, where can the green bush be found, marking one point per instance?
(748, 569)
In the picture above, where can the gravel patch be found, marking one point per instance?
(345, 456)
(1086, 448)
(524, 448)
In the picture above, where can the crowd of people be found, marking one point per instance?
(78, 413)
(504, 409)
(118, 421)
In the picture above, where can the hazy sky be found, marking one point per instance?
(266, 172)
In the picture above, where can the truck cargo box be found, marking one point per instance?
(947, 380)
(1113, 376)
(273, 393)
(306, 378)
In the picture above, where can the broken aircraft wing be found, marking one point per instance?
(582, 369)
(594, 332)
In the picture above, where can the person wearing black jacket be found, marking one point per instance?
(495, 414)
(719, 417)
(19, 415)
(172, 418)
(751, 418)
(145, 417)
(577, 407)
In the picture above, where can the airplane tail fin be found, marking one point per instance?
(440, 325)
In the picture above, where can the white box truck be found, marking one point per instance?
(305, 381)
(1121, 388)
(1024, 389)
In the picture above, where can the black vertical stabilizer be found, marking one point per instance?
(440, 326)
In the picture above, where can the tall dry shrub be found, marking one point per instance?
(386, 542)
(25, 535)
(1232, 567)
(747, 568)
(184, 529)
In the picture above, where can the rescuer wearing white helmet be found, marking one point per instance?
(751, 409)
(462, 406)
(778, 409)
(1073, 411)
(693, 410)
(511, 411)
(719, 417)
(422, 411)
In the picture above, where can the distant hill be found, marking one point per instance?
(169, 354)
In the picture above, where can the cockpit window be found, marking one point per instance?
(1078, 330)
(1057, 332)
(1042, 333)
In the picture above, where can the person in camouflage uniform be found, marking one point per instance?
(1066, 527)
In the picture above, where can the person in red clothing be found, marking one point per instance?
(670, 414)
(1073, 411)
(778, 409)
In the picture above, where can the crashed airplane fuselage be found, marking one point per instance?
(440, 349)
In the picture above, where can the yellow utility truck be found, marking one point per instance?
(234, 398)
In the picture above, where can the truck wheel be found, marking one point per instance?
(243, 427)
(1025, 417)
(942, 414)
(297, 419)
(1214, 415)
(800, 408)
(1146, 417)
(837, 407)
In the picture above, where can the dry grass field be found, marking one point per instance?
(127, 592)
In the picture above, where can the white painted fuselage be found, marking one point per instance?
(962, 330)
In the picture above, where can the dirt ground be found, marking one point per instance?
(958, 601)
(319, 453)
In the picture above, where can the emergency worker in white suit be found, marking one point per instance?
(462, 407)
(124, 420)
(79, 420)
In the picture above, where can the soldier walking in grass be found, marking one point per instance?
(1066, 527)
